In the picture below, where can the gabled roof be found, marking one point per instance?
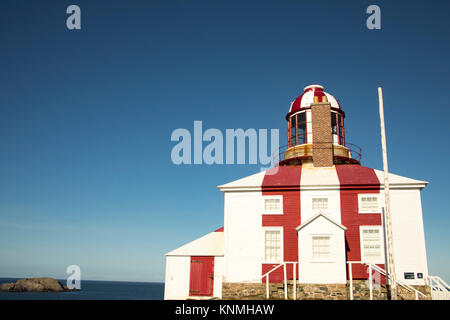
(316, 217)
(208, 245)
(251, 182)
(395, 179)
(309, 177)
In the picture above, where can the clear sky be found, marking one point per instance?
(86, 116)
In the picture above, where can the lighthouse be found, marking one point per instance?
(310, 228)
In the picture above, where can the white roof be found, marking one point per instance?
(395, 179)
(251, 182)
(318, 177)
(208, 245)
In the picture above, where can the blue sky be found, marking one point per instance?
(86, 116)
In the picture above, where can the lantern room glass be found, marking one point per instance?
(337, 127)
(297, 129)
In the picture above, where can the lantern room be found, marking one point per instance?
(303, 129)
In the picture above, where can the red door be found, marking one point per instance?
(202, 276)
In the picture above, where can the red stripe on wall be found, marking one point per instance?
(354, 180)
(357, 176)
(284, 182)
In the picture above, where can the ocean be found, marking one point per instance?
(94, 290)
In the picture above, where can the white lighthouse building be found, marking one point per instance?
(312, 227)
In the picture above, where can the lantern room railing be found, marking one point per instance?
(354, 151)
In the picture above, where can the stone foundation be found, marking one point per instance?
(321, 292)
(361, 291)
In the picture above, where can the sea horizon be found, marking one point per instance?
(64, 280)
(93, 290)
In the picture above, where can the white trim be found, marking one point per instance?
(264, 229)
(239, 189)
(317, 216)
(277, 197)
(373, 195)
(381, 259)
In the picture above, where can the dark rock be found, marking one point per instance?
(7, 286)
(34, 285)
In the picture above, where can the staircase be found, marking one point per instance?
(440, 290)
(417, 293)
(286, 290)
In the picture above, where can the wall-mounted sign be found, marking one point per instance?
(409, 275)
(419, 275)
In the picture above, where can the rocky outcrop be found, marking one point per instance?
(34, 285)
(9, 286)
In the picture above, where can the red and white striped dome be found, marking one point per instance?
(307, 97)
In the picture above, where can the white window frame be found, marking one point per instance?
(281, 244)
(322, 260)
(381, 259)
(376, 195)
(280, 211)
(320, 210)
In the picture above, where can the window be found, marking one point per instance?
(272, 247)
(298, 129)
(333, 123)
(293, 130)
(368, 203)
(273, 205)
(337, 126)
(301, 125)
(320, 247)
(371, 245)
(319, 204)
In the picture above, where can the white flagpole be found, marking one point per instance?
(388, 218)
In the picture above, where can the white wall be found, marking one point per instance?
(177, 277)
(320, 182)
(218, 276)
(309, 126)
(408, 234)
(334, 204)
(243, 236)
(332, 270)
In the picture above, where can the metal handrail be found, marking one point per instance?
(407, 286)
(439, 287)
(267, 274)
(382, 272)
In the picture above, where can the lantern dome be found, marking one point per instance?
(311, 94)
